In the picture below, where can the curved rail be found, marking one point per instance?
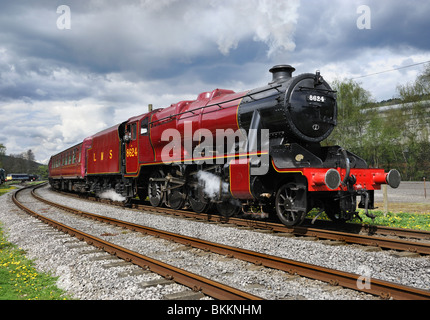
(349, 280)
(197, 283)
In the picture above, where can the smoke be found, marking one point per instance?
(112, 195)
(211, 184)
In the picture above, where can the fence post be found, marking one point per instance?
(425, 190)
(385, 193)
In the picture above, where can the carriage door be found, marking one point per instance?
(131, 148)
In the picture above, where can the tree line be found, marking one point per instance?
(390, 137)
(21, 163)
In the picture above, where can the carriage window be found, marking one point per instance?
(144, 127)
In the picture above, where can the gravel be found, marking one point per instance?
(86, 278)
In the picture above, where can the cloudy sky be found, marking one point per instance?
(64, 79)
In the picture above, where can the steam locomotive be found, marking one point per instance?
(255, 151)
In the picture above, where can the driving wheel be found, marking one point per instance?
(228, 208)
(155, 192)
(198, 202)
(176, 198)
(290, 204)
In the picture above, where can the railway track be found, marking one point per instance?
(376, 236)
(381, 288)
(197, 283)
(373, 230)
(407, 240)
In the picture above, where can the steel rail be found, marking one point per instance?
(197, 283)
(381, 288)
(352, 228)
(397, 232)
(382, 242)
(360, 228)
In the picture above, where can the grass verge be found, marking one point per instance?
(19, 280)
(5, 188)
(415, 221)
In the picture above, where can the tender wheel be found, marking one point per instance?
(228, 208)
(155, 193)
(290, 204)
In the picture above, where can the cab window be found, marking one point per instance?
(133, 131)
(130, 132)
(144, 127)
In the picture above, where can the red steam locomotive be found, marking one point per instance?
(258, 149)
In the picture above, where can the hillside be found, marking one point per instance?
(18, 164)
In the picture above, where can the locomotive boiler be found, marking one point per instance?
(255, 151)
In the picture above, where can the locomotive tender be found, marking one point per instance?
(259, 149)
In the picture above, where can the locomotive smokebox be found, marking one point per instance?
(298, 108)
(282, 72)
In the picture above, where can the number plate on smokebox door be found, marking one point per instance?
(315, 98)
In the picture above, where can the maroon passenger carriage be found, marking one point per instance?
(261, 148)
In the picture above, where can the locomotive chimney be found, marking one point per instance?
(281, 72)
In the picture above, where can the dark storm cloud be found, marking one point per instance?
(150, 39)
(399, 24)
(327, 30)
(163, 39)
(119, 56)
